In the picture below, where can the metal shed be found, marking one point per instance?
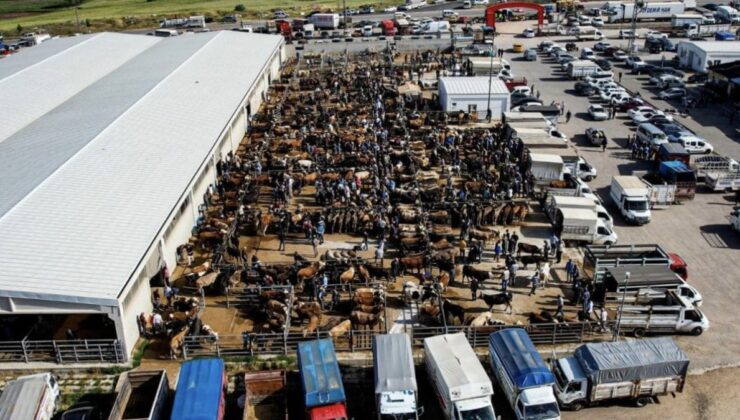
(471, 94)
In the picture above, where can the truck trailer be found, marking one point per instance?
(201, 390)
(323, 391)
(463, 388)
(140, 395)
(31, 397)
(623, 12)
(324, 20)
(395, 379)
(579, 225)
(522, 375)
(635, 370)
(651, 279)
(597, 259)
(265, 395)
(667, 314)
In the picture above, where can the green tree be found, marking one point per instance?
(19, 28)
(240, 8)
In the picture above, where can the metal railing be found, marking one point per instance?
(62, 351)
(253, 344)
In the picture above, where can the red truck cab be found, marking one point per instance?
(678, 265)
(328, 412)
(389, 29)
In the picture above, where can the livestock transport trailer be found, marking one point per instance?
(265, 395)
(141, 395)
(597, 259)
(323, 391)
(201, 390)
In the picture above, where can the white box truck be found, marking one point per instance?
(630, 195)
(546, 168)
(522, 374)
(728, 14)
(555, 202)
(463, 388)
(681, 20)
(31, 397)
(582, 226)
(636, 370)
(578, 69)
(324, 20)
(395, 379)
(589, 33)
(622, 12)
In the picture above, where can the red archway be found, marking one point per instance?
(491, 12)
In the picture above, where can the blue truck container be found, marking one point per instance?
(200, 391)
(522, 375)
(724, 36)
(321, 380)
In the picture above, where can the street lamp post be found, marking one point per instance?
(621, 305)
(490, 75)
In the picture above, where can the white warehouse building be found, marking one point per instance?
(108, 143)
(700, 55)
(470, 94)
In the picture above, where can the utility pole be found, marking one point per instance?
(633, 36)
(490, 75)
(621, 305)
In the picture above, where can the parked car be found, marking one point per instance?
(530, 54)
(601, 46)
(649, 116)
(674, 132)
(584, 89)
(607, 95)
(587, 54)
(544, 45)
(657, 71)
(695, 145)
(390, 9)
(698, 78)
(620, 55)
(603, 63)
(528, 33)
(597, 21)
(645, 69)
(555, 133)
(634, 61)
(597, 112)
(562, 58)
(584, 20)
(641, 114)
(627, 34)
(672, 93)
(631, 104)
(620, 98)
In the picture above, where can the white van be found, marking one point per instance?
(448, 13)
(467, 4)
(587, 54)
(651, 135)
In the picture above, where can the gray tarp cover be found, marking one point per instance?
(632, 360)
(394, 364)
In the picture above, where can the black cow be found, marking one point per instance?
(504, 298)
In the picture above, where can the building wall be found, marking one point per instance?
(499, 104)
(693, 57)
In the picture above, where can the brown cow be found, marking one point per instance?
(276, 307)
(444, 280)
(348, 275)
(417, 262)
(341, 329)
(176, 342)
(441, 244)
(366, 320)
(310, 271)
(265, 221)
(371, 309)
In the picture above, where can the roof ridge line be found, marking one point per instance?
(107, 127)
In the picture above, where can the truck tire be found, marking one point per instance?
(577, 406)
(697, 331)
(639, 332)
(642, 401)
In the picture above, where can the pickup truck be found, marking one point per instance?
(595, 136)
(669, 314)
(629, 370)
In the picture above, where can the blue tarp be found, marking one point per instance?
(520, 359)
(320, 376)
(199, 388)
(673, 165)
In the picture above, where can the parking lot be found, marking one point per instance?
(697, 230)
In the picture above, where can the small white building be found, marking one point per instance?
(698, 55)
(470, 94)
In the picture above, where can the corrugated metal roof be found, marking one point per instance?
(713, 46)
(473, 86)
(123, 146)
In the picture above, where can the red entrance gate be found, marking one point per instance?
(491, 12)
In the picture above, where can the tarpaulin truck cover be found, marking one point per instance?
(632, 360)
(520, 358)
(199, 389)
(394, 363)
(320, 376)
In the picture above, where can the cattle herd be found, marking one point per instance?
(350, 189)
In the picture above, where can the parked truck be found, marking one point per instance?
(463, 388)
(681, 176)
(323, 391)
(30, 397)
(579, 69)
(597, 259)
(201, 390)
(395, 379)
(649, 280)
(668, 314)
(555, 202)
(389, 28)
(630, 195)
(660, 192)
(681, 20)
(588, 33)
(325, 20)
(574, 225)
(141, 395)
(622, 12)
(636, 370)
(546, 168)
(522, 375)
(265, 395)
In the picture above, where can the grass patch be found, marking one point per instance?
(58, 16)
(139, 354)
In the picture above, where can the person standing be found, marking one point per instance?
(497, 251)
(559, 252)
(620, 77)
(589, 310)
(379, 255)
(315, 244)
(545, 274)
(512, 244)
(567, 116)
(546, 249)
(474, 289)
(603, 144)
(365, 237)
(569, 269)
(586, 299)
(559, 314)
(281, 237)
(535, 282)
(505, 280)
